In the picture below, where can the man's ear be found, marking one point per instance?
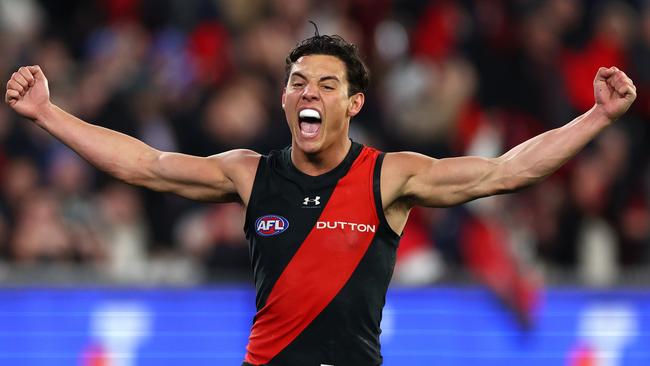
(356, 103)
(284, 96)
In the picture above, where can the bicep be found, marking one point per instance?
(211, 178)
(450, 181)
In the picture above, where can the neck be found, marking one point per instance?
(322, 161)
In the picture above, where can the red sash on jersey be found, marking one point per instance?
(322, 265)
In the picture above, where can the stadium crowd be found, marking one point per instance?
(448, 78)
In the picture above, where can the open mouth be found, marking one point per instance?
(310, 122)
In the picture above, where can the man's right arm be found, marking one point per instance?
(226, 177)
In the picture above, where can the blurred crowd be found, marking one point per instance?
(448, 78)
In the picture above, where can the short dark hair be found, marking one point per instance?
(356, 71)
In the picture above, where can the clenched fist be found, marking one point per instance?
(614, 92)
(27, 92)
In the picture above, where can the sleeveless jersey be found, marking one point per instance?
(323, 255)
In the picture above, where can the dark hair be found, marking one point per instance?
(356, 72)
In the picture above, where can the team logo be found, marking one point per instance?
(270, 225)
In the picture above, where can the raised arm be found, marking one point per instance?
(412, 179)
(225, 177)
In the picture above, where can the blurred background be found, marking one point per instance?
(448, 78)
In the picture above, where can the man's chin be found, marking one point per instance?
(310, 146)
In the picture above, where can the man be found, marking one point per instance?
(324, 215)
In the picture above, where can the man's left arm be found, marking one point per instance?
(420, 180)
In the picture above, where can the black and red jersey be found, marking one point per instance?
(323, 255)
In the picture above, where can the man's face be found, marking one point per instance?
(316, 103)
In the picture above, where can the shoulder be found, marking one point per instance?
(396, 170)
(237, 159)
(401, 171)
(405, 163)
(238, 165)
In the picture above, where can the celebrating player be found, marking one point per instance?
(324, 215)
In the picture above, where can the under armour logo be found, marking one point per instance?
(314, 201)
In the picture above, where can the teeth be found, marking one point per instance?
(309, 113)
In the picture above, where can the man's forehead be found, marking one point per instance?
(319, 65)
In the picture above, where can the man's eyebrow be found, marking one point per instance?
(330, 77)
(323, 78)
(298, 74)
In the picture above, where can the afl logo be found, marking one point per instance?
(270, 225)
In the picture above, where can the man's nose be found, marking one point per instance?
(310, 92)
